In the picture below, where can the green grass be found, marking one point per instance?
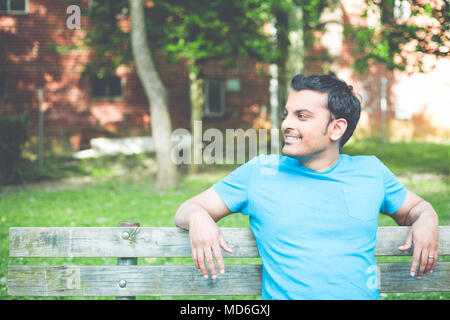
(99, 204)
(122, 189)
(406, 157)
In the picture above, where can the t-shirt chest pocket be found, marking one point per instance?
(361, 203)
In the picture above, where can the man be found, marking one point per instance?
(315, 215)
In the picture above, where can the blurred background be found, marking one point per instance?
(87, 107)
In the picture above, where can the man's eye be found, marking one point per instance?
(302, 116)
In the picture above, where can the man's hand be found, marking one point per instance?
(425, 236)
(206, 241)
(424, 233)
(199, 215)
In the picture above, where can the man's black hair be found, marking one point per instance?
(342, 102)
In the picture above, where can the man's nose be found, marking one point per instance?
(286, 124)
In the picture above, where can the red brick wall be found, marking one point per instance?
(72, 117)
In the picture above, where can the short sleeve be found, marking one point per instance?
(233, 189)
(394, 191)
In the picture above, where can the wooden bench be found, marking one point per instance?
(127, 279)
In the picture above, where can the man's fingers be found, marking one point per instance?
(223, 244)
(201, 263)
(432, 259)
(429, 264)
(435, 255)
(210, 262)
(219, 259)
(408, 242)
(423, 263)
(195, 258)
(415, 261)
(206, 253)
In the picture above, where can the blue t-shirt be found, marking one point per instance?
(315, 232)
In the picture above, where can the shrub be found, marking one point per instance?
(14, 131)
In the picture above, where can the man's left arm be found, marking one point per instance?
(420, 215)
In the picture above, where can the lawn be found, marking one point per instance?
(103, 192)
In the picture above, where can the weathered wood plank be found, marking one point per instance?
(395, 277)
(184, 280)
(140, 281)
(163, 242)
(390, 238)
(108, 242)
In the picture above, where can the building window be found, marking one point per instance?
(3, 87)
(106, 87)
(13, 6)
(233, 85)
(214, 97)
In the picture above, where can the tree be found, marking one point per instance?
(423, 24)
(191, 32)
(112, 46)
(109, 43)
(405, 32)
(204, 30)
(156, 94)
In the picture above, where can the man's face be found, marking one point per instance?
(306, 124)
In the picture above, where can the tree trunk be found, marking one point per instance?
(157, 96)
(293, 53)
(296, 52)
(282, 26)
(197, 99)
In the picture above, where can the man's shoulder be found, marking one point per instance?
(362, 159)
(364, 164)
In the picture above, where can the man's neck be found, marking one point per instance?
(322, 162)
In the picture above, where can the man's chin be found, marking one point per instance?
(294, 152)
(290, 153)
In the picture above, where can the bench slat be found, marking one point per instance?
(108, 242)
(164, 242)
(140, 281)
(183, 280)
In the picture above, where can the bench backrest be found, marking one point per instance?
(129, 243)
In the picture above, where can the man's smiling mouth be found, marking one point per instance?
(291, 138)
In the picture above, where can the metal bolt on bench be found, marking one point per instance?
(127, 261)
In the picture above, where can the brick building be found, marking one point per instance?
(77, 109)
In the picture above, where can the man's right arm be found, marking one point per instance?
(199, 215)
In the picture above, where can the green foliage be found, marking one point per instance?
(311, 13)
(194, 30)
(424, 26)
(202, 30)
(13, 135)
(205, 30)
(109, 42)
(283, 13)
(61, 49)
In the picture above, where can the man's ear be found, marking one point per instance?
(338, 129)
